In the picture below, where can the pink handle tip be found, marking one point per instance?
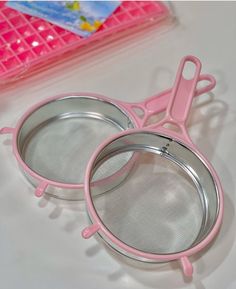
(6, 130)
(90, 231)
(183, 91)
(187, 266)
(41, 189)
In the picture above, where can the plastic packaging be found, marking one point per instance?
(27, 42)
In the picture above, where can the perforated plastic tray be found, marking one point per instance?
(27, 41)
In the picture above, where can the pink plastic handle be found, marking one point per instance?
(183, 92)
(158, 103)
(180, 101)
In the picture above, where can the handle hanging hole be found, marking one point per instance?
(203, 83)
(189, 70)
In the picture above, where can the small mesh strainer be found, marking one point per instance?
(171, 204)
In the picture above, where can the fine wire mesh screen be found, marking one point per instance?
(57, 140)
(157, 209)
(61, 148)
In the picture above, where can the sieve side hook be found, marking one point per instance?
(7, 130)
(186, 266)
(41, 189)
(90, 231)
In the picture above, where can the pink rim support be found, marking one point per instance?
(41, 188)
(7, 130)
(176, 116)
(90, 231)
(186, 266)
(158, 103)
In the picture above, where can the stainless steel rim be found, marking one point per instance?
(207, 192)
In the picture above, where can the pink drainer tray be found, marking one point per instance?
(27, 41)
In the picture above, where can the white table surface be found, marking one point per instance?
(40, 242)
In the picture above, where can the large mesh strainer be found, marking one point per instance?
(171, 204)
(54, 139)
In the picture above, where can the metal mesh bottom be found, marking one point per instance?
(60, 148)
(157, 209)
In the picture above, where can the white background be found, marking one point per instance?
(40, 242)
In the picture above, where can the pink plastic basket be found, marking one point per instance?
(27, 41)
